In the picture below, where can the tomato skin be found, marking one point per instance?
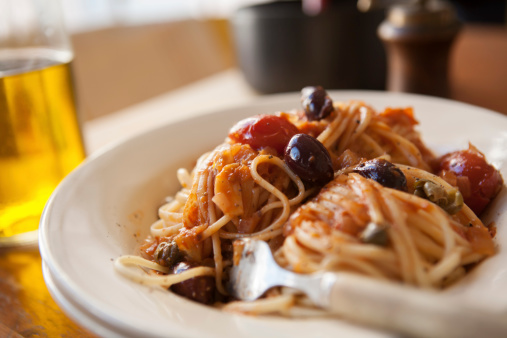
(264, 131)
(484, 180)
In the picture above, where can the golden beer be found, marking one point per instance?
(40, 138)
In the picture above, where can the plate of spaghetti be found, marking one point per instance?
(407, 189)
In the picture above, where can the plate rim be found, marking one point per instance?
(62, 280)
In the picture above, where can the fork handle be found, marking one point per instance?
(403, 309)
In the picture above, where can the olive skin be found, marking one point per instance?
(199, 289)
(316, 103)
(383, 172)
(309, 159)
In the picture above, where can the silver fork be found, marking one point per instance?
(401, 309)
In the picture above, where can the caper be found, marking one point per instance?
(168, 254)
(431, 191)
(375, 234)
(316, 103)
(383, 172)
(456, 202)
(451, 201)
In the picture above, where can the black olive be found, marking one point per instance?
(309, 159)
(199, 289)
(316, 102)
(167, 254)
(384, 172)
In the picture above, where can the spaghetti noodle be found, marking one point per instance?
(417, 232)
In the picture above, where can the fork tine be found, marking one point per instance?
(255, 272)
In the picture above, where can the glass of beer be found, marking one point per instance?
(40, 137)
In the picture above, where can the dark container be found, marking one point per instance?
(281, 49)
(419, 39)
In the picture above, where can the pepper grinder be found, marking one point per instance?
(418, 36)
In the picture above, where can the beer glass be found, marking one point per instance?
(40, 138)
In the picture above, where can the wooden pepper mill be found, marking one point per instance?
(418, 36)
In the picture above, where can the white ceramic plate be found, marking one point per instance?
(104, 208)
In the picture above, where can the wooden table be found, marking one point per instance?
(479, 76)
(26, 307)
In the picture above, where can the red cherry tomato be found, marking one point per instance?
(484, 181)
(264, 131)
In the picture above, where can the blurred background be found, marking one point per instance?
(138, 61)
(128, 51)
